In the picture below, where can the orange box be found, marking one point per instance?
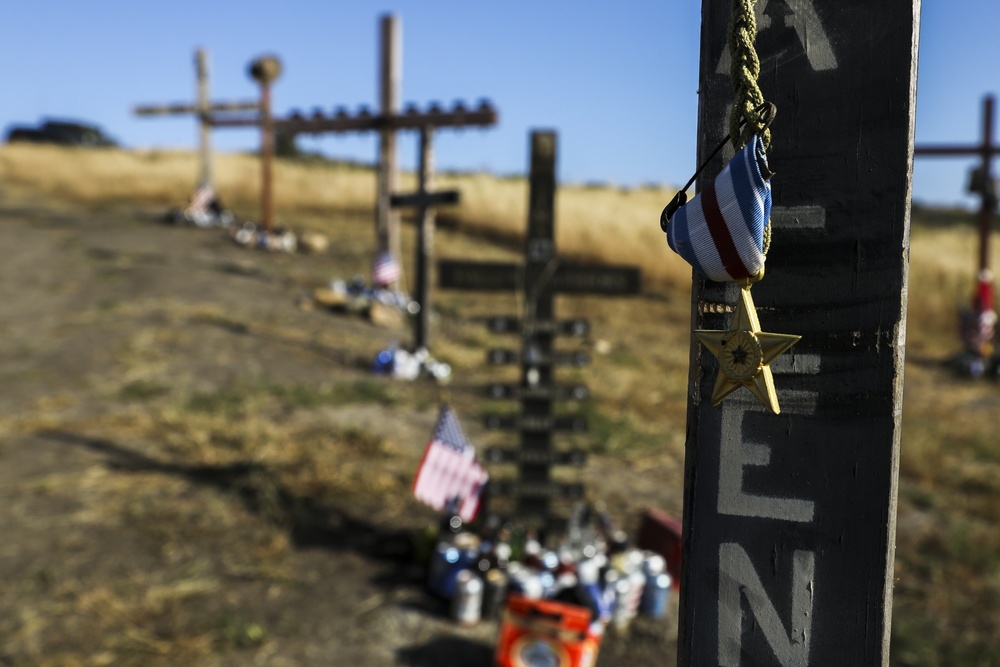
(545, 633)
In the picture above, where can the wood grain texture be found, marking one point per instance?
(789, 519)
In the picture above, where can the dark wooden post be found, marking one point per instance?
(538, 279)
(987, 199)
(539, 269)
(425, 237)
(789, 520)
(424, 200)
(266, 70)
(390, 75)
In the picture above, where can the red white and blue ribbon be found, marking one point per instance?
(721, 231)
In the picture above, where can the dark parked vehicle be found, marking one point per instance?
(66, 133)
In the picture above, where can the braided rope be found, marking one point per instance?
(744, 70)
(747, 98)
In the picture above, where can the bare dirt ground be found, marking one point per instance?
(196, 471)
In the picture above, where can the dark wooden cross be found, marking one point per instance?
(203, 108)
(982, 178)
(789, 519)
(539, 278)
(423, 200)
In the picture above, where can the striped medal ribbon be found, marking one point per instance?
(721, 231)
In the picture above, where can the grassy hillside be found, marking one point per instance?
(947, 599)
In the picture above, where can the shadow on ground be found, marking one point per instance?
(447, 651)
(311, 522)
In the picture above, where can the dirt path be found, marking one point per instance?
(195, 471)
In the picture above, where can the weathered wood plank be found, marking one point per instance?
(789, 519)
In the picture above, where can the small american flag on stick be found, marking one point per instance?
(385, 270)
(449, 470)
(201, 199)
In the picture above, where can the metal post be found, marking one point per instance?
(387, 220)
(266, 70)
(204, 128)
(987, 197)
(266, 157)
(425, 238)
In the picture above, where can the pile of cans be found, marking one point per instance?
(595, 569)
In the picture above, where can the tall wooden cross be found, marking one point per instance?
(539, 278)
(387, 122)
(982, 181)
(203, 108)
(789, 520)
(390, 87)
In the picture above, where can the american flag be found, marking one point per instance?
(202, 197)
(385, 269)
(448, 471)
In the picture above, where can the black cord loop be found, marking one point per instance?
(767, 112)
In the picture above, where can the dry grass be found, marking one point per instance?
(947, 598)
(493, 206)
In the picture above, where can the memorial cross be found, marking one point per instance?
(203, 109)
(387, 122)
(540, 278)
(789, 520)
(423, 200)
(982, 182)
(390, 85)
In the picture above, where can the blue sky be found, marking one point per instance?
(618, 80)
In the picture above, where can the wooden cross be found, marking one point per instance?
(203, 108)
(540, 278)
(986, 150)
(390, 86)
(789, 520)
(424, 200)
(386, 122)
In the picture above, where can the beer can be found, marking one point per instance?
(628, 594)
(654, 565)
(444, 563)
(494, 593)
(620, 616)
(527, 582)
(655, 596)
(467, 600)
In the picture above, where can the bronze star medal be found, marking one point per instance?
(744, 352)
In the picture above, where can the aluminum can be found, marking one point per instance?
(655, 595)
(467, 600)
(444, 562)
(653, 565)
(494, 593)
(528, 583)
(628, 593)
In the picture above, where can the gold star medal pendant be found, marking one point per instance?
(724, 233)
(744, 352)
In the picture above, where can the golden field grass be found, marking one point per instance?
(306, 188)
(947, 599)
